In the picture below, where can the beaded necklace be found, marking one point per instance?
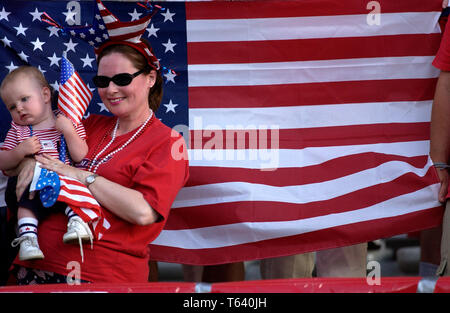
(93, 168)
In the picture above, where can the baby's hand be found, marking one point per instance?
(29, 146)
(63, 124)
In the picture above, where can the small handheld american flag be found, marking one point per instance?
(74, 95)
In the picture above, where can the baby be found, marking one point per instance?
(36, 129)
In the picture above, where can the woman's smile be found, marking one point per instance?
(116, 101)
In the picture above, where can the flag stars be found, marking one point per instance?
(135, 15)
(168, 16)
(70, 16)
(54, 60)
(170, 107)
(11, 67)
(170, 77)
(21, 30)
(23, 56)
(87, 61)
(37, 44)
(70, 45)
(55, 85)
(169, 46)
(4, 14)
(36, 15)
(89, 87)
(152, 31)
(6, 42)
(42, 70)
(102, 107)
(53, 31)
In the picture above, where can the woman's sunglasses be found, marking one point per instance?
(122, 79)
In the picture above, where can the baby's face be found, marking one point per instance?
(25, 100)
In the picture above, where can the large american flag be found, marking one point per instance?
(307, 121)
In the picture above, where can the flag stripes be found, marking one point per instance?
(74, 96)
(309, 128)
(307, 93)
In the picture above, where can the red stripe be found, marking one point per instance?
(309, 137)
(77, 91)
(324, 239)
(312, 49)
(264, 9)
(77, 104)
(81, 85)
(120, 24)
(73, 194)
(269, 211)
(312, 93)
(70, 107)
(81, 204)
(329, 170)
(125, 37)
(83, 215)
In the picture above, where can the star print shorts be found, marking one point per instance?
(35, 204)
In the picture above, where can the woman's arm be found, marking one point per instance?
(440, 129)
(126, 203)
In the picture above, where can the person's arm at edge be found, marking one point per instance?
(440, 129)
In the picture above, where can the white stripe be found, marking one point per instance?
(36, 175)
(74, 187)
(241, 233)
(106, 224)
(92, 215)
(309, 116)
(275, 73)
(67, 110)
(310, 27)
(109, 19)
(300, 194)
(76, 93)
(285, 158)
(78, 198)
(71, 99)
(127, 29)
(81, 86)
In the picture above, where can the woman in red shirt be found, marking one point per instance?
(134, 169)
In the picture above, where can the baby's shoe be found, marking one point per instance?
(29, 248)
(77, 229)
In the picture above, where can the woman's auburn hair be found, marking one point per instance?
(140, 62)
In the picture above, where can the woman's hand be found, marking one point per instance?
(126, 203)
(59, 167)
